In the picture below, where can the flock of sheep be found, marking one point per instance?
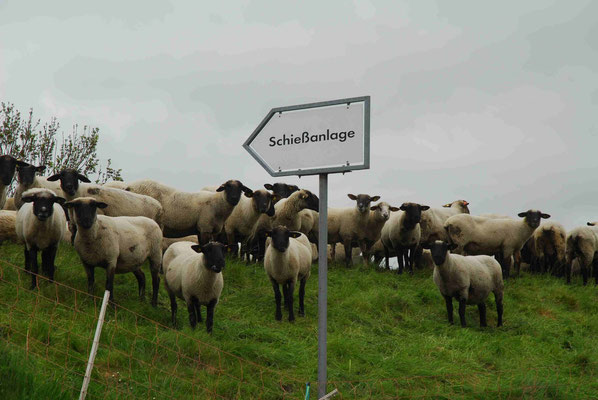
(186, 236)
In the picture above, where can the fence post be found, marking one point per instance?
(94, 347)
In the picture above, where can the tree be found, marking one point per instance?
(25, 138)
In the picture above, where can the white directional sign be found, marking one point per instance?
(307, 139)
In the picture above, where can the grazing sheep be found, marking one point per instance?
(498, 237)
(549, 248)
(402, 234)
(288, 259)
(287, 211)
(347, 225)
(195, 278)
(40, 224)
(10, 204)
(8, 219)
(119, 244)
(8, 165)
(282, 190)
(582, 245)
(469, 279)
(28, 180)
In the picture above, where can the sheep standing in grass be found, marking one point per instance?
(498, 237)
(582, 244)
(118, 244)
(28, 180)
(8, 165)
(469, 279)
(402, 234)
(288, 259)
(379, 215)
(195, 278)
(40, 224)
(550, 241)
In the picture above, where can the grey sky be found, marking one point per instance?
(493, 102)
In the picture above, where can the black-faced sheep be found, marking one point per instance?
(8, 165)
(26, 175)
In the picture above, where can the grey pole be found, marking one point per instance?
(322, 284)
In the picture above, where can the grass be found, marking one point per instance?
(387, 337)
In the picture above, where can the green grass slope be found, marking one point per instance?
(388, 338)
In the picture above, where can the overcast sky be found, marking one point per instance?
(492, 102)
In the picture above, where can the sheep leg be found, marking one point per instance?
(210, 315)
(173, 308)
(419, 251)
(499, 310)
(192, 314)
(90, 271)
(517, 261)
(462, 304)
(155, 271)
(568, 271)
(584, 272)
(411, 252)
(348, 256)
(277, 297)
(399, 251)
(197, 309)
(290, 290)
(386, 257)
(31, 254)
(285, 289)
(595, 269)
(363, 246)
(140, 282)
(482, 310)
(48, 257)
(449, 308)
(333, 252)
(302, 297)
(110, 281)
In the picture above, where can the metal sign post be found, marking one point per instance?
(315, 139)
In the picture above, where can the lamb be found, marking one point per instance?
(40, 224)
(549, 248)
(346, 225)
(119, 244)
(195, 278)
(469, 279)
(8, 165)
(28, 180)
(8, 220)
(582, 244)
(402, 233)
(288, 259)
(499, 237)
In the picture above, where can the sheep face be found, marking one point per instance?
(312, 201)
(282, 190)
(69, 180)
(532, 217)
(26, 173)
(85, 210)
(439, 250)
(214, 255)
(8, 165)
(262, 201)
(280, 237)
(233, 190)
(363, 201)
(43, 203)
(383, 210)
(413, 212)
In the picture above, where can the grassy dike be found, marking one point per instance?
(388, 337)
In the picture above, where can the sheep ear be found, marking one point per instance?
(220, 188)
(293, 188)
(424, 208)
(395, 209)
(41, 168)
(447, 205)
(100, 204)
(83, 178)
(375, 198)
(403, 207)
(294, 234)
(374, 208)
(196, 248)
(590, 224)
(28, 199)
(268, 186)
(352, 196)
(54, 177)
(59, 200)
(248, 192)
(522, 214)
(452, 246)
(545, 216)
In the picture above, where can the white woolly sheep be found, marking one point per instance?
(8, 232)
(118, 244)
(195, 278)
(8, 165)
(347, 225)
(517, 256)
(378, 217)
(433, 219)
(40, 224)
(402, 234)
(549, 248)
(582, 245)
(288, 259)
(29, 180)
(469, 279)
(498, 237)
(167, 242)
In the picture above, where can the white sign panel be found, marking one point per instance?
(315, 138)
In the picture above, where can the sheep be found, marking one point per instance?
(339, 254)
(498, 237)
(10, 204)
(517, 256)
(582, 245)
(195, 278)
(309, 224)
(8, 165)
(118, 244)
(287, 210)
(40, 224)
(153, 189)
(433, 219)
(469, 279)
(8, 232)
(28, 180)
(347, 225)
(167, 242)
(288, 259)
(282, 190)
(378, 216)
(549, 248)
(402, 233)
